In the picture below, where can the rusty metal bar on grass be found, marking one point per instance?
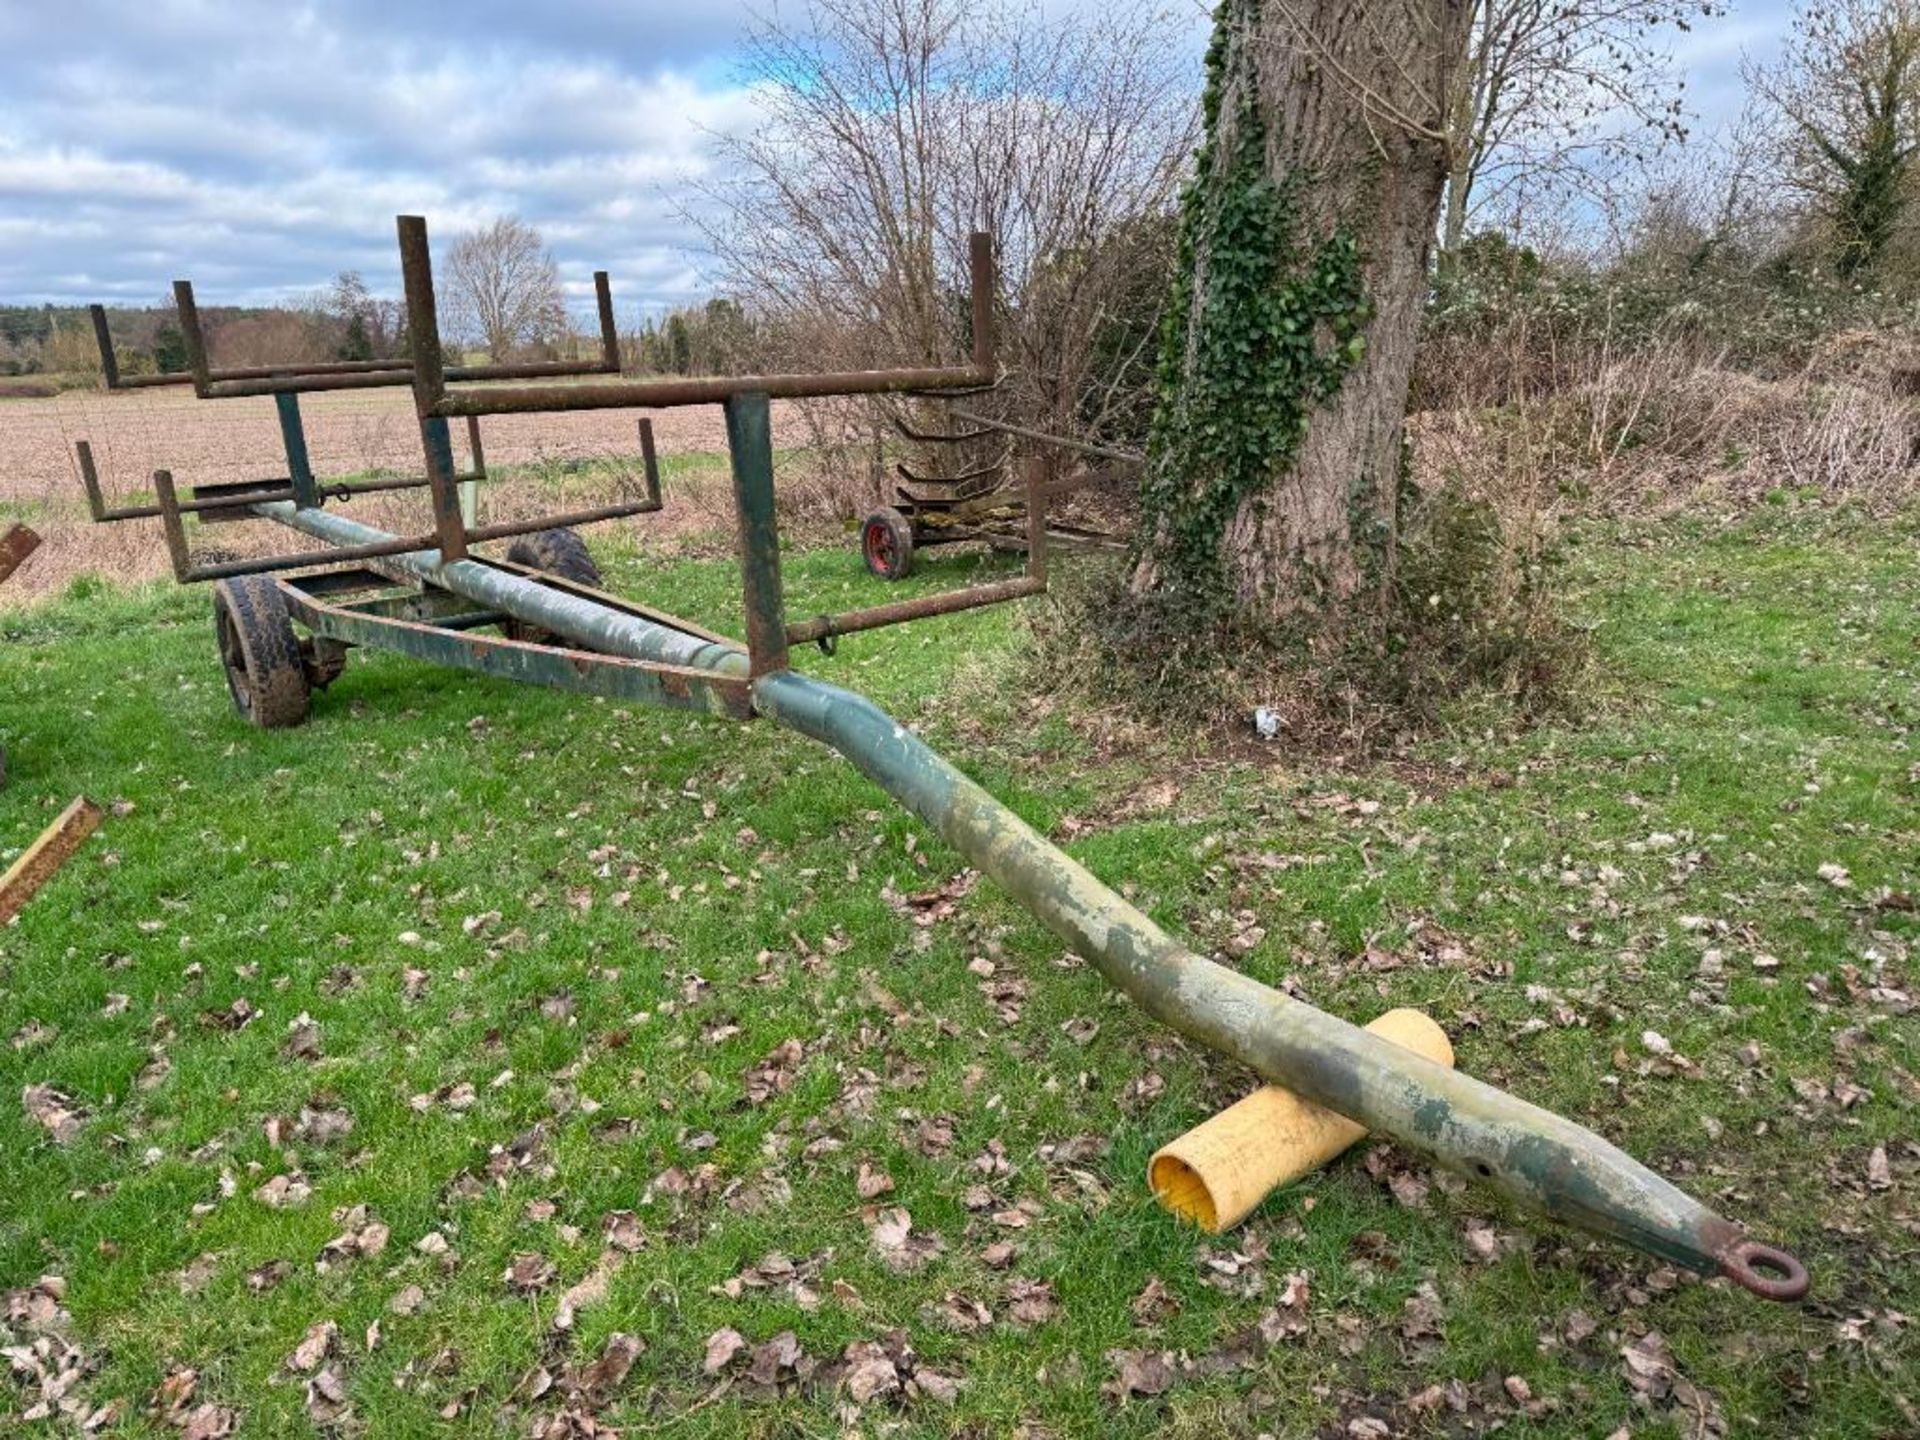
(42, 860)
(15, 546)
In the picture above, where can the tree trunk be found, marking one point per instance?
(1276, 470)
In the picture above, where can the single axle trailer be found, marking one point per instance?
(430, 597)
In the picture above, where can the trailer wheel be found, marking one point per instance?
(266, 673)
(886, 543)
(558, 552)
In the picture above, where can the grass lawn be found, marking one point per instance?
(550, 955)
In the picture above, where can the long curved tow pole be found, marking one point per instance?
(1542, 1160)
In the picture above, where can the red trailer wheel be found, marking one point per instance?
(886, 542)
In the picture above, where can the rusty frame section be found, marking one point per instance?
(747, 402)
(230, 502)
(434, 397)
(42, 860)
(116, 380)
(234, 383)
(745, 399)
(240, 501)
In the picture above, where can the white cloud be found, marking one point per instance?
(260, 152)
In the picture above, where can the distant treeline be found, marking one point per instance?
(343, 322)
(58, 339)
(717, 338)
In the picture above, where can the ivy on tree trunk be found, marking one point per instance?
(1276, 467)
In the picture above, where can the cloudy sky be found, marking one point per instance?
(260, 146)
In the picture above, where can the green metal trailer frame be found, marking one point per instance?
(429, 596)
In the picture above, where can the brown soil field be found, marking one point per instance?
(220, 442)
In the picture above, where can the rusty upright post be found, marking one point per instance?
(750, 444)
(980, 264)
(109, 362)
(196, 340)
(1036, 471)
(649, 460)
(609, 331)
(477, 463)
(174, 526)
(430, 384)
(90, 478)
(476, 472)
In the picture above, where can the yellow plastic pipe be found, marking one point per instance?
(1218, 1172)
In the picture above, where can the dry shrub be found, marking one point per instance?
(1469, 619)
(1653, 387)
(1663, 428)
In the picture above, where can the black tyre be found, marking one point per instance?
(266, 673)
(886, 544)
(557, 552)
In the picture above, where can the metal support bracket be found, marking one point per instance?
(556, 667)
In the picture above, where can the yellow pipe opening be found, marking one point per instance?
(1218, 1172)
